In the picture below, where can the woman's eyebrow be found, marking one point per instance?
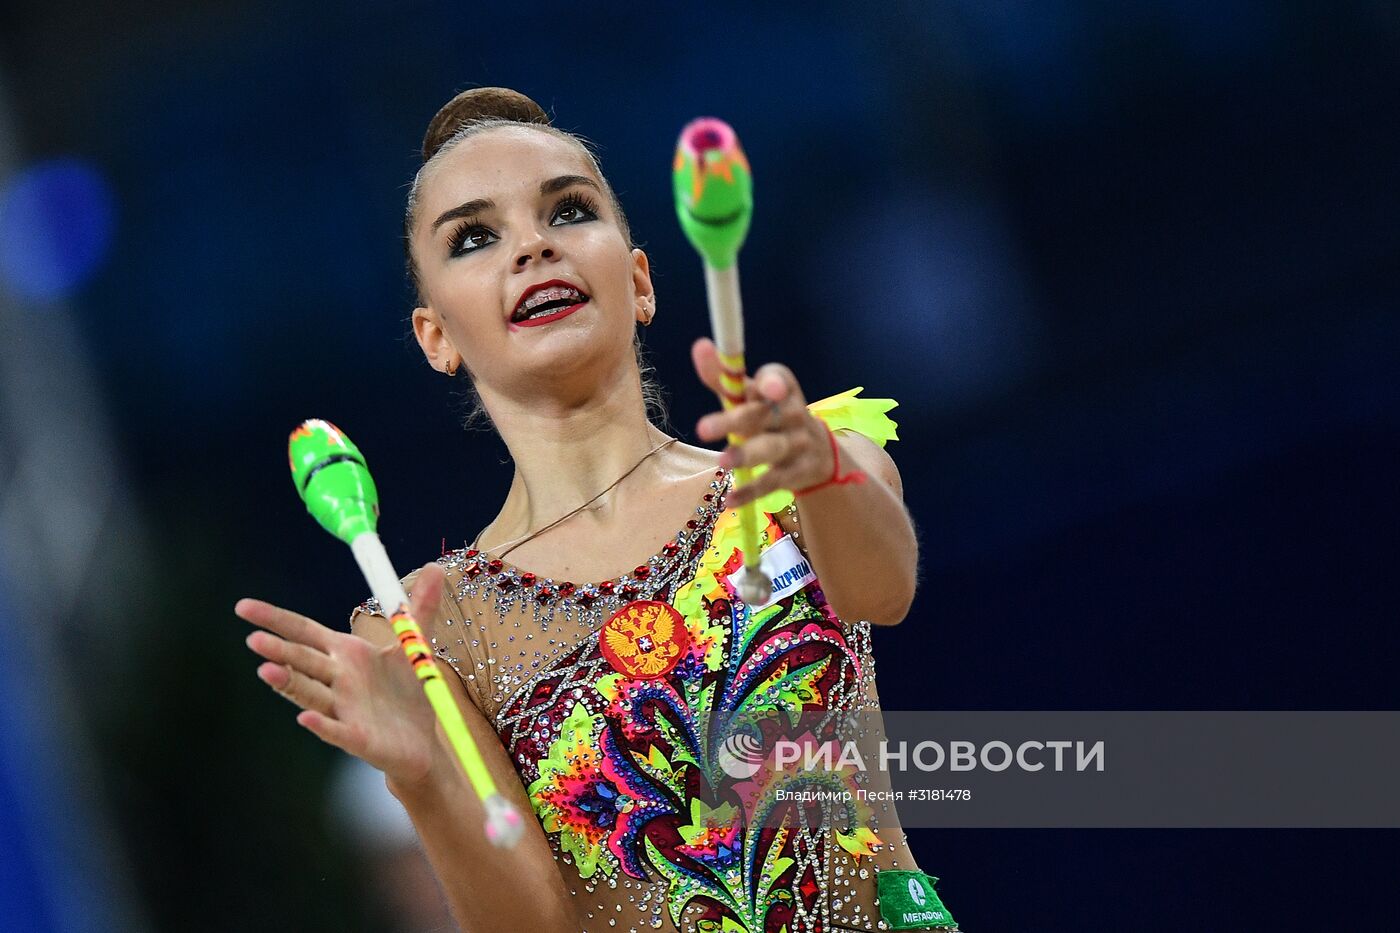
(464, 210)
(478, 205)
(568, 181)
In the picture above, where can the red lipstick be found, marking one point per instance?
(549, 318)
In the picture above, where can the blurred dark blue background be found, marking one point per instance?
(1131, 270)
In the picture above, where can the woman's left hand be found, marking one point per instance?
(776, 427)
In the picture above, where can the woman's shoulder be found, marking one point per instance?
(452, 563)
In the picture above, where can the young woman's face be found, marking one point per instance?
(524, 269)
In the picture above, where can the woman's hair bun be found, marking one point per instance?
(479, 103)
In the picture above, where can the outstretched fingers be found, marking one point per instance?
(313, 663)
(331, 731)
(297, 687)
(290, 625)
(332, 676)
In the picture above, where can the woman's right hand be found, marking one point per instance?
(360, 697)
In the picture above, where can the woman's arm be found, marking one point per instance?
(858, 536)
(358, 692)
(487, 888)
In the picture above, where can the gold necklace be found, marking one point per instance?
(519, 541)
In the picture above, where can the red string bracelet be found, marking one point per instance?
(855, 476)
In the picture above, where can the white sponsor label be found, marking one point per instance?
(923, 916)
(783, 563)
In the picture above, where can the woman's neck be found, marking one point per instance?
(567, 453)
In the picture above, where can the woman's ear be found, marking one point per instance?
(641, 284)
(434, 342)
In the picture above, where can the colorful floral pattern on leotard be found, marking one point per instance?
(624, 762)
(632, 779)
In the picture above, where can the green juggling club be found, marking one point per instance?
(333, 480)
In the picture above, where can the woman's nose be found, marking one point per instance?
(535, 246)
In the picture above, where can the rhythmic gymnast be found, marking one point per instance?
(594, 634)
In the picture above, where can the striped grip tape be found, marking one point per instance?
(731, 379)
(411, 639)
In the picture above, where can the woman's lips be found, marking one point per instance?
(550, 318)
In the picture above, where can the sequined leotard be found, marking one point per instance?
(614, 702)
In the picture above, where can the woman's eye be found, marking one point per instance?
(572, 212)
(471, 239)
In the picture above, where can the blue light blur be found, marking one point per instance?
(22, 881)
(56, 220)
